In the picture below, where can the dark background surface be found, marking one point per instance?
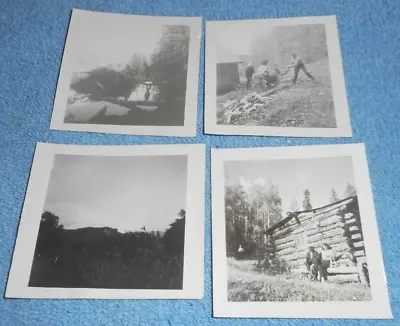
(32, 35)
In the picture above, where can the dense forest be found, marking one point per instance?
(250, 212)
(166, 68)
(277, 45)
(105, 258)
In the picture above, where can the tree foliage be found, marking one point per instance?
(277, 45)
(169, 61)
(174, 237)
(350, 190)
(307, 200)
(334, 196)
(248, 214)
(105, 82)
(105, 258)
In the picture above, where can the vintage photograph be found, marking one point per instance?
(294, 231)
(129, 74)
(114, 222)
(276, 77)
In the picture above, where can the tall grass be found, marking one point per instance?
(246, 283)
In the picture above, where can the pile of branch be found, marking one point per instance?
(245, 105)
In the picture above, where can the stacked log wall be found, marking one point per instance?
(338, 225)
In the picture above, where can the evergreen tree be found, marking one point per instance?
(307, 200)
(169, 61)
(350, 190)
(334, 197)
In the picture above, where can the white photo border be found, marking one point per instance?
(189, 129)
(377, 308)
(193, 271)
(342, 114)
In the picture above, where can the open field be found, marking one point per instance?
(306, 104)
(245, 283)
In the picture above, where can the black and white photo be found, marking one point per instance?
(129, 74)
(299, 232)
(112, 219)
(275, 77)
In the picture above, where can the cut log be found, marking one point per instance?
(286, 251)
(296, 255)
(354, 228)
(311, 224)
(283, 232)
(356, 236)
(343, 270)
(352, 222)
(348, 216)
(327, 234)
(359, 244)
(290, 244)
(359, 253)
(318, 230)
(283, 240)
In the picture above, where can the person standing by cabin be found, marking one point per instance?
(328, 259)
(313, 261)
(249, 75)
(298, 64)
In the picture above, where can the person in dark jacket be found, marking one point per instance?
(313, 262)
(249, 75)
(298, 64)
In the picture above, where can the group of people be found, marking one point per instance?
(264, 76)
(317, 263)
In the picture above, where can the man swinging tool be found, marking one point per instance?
(298, 64)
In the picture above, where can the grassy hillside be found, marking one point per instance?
(306, 104)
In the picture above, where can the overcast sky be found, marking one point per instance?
(318, 175)
(105, 39)
(237, 38)
(123, 192)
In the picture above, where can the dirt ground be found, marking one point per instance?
(306, 104)
(245, 283)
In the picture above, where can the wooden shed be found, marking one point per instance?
(227, 71)
(337, 225)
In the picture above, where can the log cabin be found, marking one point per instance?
(337, 224)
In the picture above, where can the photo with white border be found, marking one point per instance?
(275, 77)
(321, 259)
(129, 74)
(112, 222)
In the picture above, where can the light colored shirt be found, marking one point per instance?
(295, 61)
(326, 254)
(261, 70)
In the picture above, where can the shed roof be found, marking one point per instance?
(291, 215)
(224, 56)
